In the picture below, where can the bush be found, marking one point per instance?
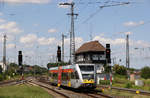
(145, 72)
(128, 85)
(120, 79)
(121, 70)
(1, 77)
(104, 82)
(1, 69)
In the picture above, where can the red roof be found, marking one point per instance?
(91, 47)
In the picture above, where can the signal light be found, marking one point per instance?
(20, 58)
(108, 53)
(59, 54)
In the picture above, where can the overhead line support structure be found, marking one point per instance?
(127, 52)
(72, 34)
(4, 54)
(127, 56)
(63, 40)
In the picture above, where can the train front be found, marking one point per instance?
(87, 73)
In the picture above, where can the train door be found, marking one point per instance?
(59, 75)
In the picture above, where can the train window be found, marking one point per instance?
(88, 76)
(65, 76)
(86, 68)
(76, 75)
(72, 75)
(55, 75)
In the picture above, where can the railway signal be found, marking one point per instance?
(108, 53)
(59, 54)
(20, 58)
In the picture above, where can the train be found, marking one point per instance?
(74, 76)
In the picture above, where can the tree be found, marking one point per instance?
(145, 72)
(107, 68)
(13, 65)
(1, 70)
(121, 70)
(49, 65)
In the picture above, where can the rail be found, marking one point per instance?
(137, 91)
(51, 89)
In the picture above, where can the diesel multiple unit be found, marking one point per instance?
(75, 76)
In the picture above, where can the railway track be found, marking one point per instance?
(98, 93)
(79, 93)
(56, 93)
(7, 83)
(129, 90)
(14, 82)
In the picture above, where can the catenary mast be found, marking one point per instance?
(72, 34)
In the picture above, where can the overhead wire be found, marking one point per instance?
(95, 13)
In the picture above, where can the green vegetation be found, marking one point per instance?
(107, 68)
(56, 64)
(128, 85)
(1, 69)
(120, 79)
(123, 82)
(123, 94)
(23, 91)
(14, 71)
(121, 70)
(104, 82)
(145, 72)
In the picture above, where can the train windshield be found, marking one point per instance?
(88, 76)
(86, 68)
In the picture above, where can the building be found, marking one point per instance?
(95, 53)
(91, 52)
(135, 76)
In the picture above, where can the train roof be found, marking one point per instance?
(70, 66)
(63, 67)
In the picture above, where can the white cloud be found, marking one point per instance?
(29, 54)
(139, 43)
(10, 27)
(1, 38)
(1, 14)
(10, 46)
(2, 20)
(52, 30)
(46, 41)
(133, 24)
(122, 41)
(104, 40)
(28, 1)
(35, 24)
(10, 38)
(28, 39)
(78, 41)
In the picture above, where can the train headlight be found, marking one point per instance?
(88, 81)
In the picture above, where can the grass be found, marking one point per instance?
(23, 91)
(121, 81)
(123, 94)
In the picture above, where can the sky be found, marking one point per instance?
(35, 28)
